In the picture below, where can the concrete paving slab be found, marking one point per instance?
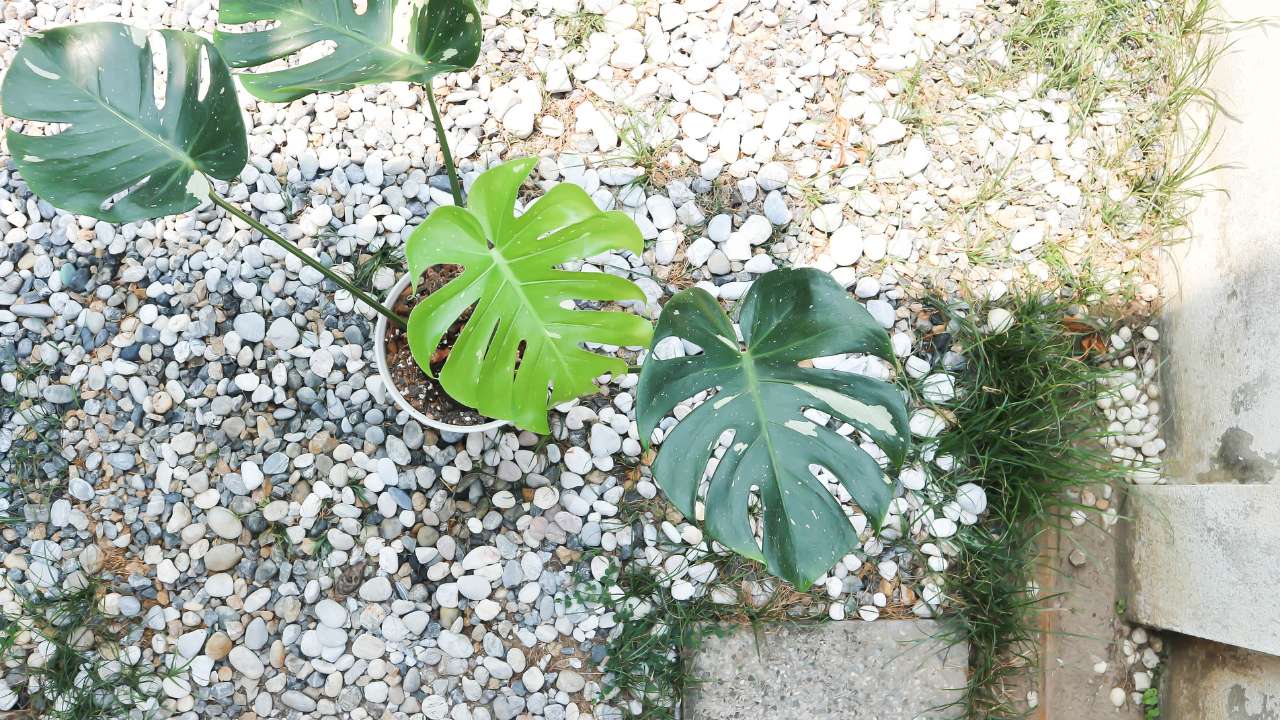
(1209, 681)
(883, 670)
(1221, 382)
(1203, 562)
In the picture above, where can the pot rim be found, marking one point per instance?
(380, 355)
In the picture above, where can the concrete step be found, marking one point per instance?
(1203, 562)
(882, 670)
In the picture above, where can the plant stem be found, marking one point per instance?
(297, 252)
(444, 148)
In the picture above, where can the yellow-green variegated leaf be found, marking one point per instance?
(410, 40)
(521, 350)
(97, 79)
(760, 395)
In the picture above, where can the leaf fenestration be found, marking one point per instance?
(391, 40)
(123, 157)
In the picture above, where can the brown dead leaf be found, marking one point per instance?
(1093, 345)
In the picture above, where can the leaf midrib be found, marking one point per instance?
(754, 384)
(179, 153)
(509, 278)
(801, 341)
(757, 401)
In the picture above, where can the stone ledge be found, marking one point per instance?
(1203, 562)
(883, 670)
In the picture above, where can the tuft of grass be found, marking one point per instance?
(1076, 45)
(645, 144)
(277, 534)
(813, 191)
(1156, 59)
(723, 197)
(809, 193)
(1170, 141)
(369, 265)
(578, 27)
(911, 106)
(1025, 427)
(647, 668)
(296, 196)
(649, 651)
(994, 186)
(30, 441)
(78, 663)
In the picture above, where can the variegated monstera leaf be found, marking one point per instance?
(760, 394)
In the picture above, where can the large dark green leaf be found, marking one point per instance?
(761, 393)
(519, 340)
(372, 47)
(98, 79)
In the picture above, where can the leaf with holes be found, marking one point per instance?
(760, 395)
(521, 350)
(98, 78)
(391, 40)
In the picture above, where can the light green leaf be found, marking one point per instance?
(519, 340)
(98, 79)
(392, 40)
(761, 393)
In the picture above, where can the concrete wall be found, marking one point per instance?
(1209, 681)
(1222, 380)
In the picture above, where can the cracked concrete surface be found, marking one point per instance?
(883, 670)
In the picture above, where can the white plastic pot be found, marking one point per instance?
(380, 354)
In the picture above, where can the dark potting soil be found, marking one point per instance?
(421, 391)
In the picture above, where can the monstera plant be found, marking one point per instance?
(761, 388)
(127, 155)
(520, 339)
